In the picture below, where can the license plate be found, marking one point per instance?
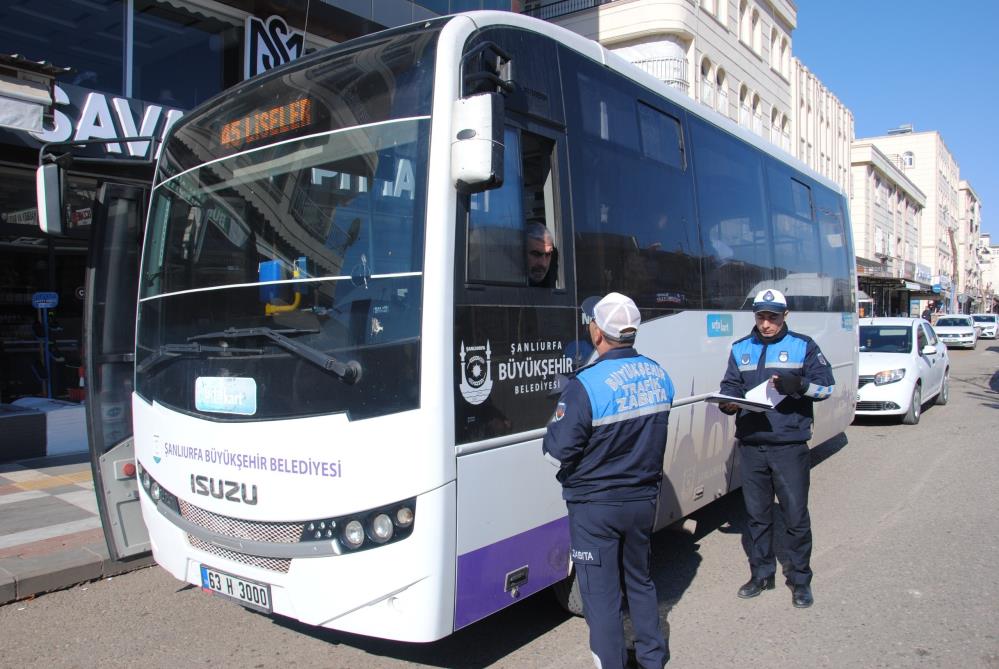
(248, 593)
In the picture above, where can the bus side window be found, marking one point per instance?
(512, 231)
(730, 198)
(834, 247)
(796, 243)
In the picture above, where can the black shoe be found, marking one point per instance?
(801, 596)
(754, 587)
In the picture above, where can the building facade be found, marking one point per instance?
(732, 55)
(970, 297)
(988, 253)
(925, 160)
(128, 68)
(886, 212)
(822, 128)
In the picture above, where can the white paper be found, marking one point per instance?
(765, 393)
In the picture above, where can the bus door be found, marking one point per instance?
(109, 343)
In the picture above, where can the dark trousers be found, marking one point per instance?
(783, 469)
(611, 548)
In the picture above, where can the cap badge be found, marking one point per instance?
(768, 296)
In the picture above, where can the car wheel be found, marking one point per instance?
(911, 417)
(944, 395)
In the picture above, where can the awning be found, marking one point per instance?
(22, 103)
(25, 95)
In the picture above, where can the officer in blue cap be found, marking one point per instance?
(773, 454)
(609, 437)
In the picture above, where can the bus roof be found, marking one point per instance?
(594, 51)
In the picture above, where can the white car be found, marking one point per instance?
(903, 364)
(987, 324)
(957, 330)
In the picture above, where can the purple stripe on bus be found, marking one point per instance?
(482, 573)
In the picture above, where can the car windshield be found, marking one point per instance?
(953, 322)
(883, 339)
(986, 318)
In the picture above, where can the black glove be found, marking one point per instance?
(728, 408)
(790, 384)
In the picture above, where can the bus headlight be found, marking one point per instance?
(404, 516)
(154, 491)
(381, 528)
(353, 534)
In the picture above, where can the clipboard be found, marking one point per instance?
(748, 405)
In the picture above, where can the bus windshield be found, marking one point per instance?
(285, 280)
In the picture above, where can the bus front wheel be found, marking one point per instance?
(568, 596)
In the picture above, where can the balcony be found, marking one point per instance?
(551, 10)
(673, 71)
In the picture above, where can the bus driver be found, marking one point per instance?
(542, 258)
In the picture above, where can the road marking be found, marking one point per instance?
(39, 481)
(15, 497)
(29, 536)
(84, 499)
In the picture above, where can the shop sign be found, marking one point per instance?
(912, 286)
(45, 300)
(21, 217)
(268, 43)
(81, 114)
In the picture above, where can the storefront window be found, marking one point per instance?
(87, 36)
(18, 201)
(183, 57)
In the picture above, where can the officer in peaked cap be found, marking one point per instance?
(773, 455)
(609, 438)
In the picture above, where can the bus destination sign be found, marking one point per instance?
(266, 123)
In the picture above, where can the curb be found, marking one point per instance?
(62, 570)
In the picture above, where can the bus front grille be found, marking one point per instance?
(278, 533)
(271, 564)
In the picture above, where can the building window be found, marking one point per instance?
(722, 85)
(908, 159)
(87, 36)
(707, 83)
(744, 28)
(774, 49)
(182, 58)
(757, 32)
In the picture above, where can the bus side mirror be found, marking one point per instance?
(48, 184)
(477, 143)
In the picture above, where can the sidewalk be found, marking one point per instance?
(50, 530)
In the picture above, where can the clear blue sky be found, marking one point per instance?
(932, 64)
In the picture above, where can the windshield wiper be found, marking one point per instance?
(174, 351)
(349, 372)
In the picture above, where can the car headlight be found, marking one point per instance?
(889, 376)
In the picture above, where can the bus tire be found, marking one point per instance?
(568, 596)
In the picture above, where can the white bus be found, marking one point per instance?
(344, 365)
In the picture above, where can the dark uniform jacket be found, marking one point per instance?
(753, 361)
(609, 429)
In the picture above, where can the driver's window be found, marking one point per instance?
(512, 234)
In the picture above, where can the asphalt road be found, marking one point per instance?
(906, 523)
